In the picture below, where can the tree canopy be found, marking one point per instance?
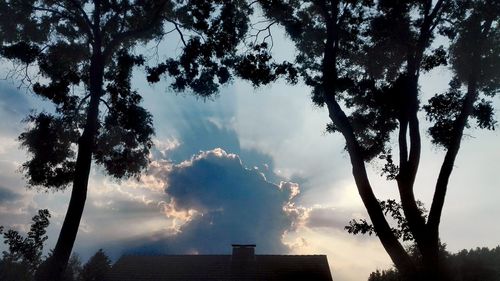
(82, 54)
(96, 268)
(363, 61)
(24, 254)
(466, 265)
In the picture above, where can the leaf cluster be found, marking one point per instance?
(378, 53)
(61, 38)
(97, 267)
(124, 138)
(466, 265)
(474, 57)
(214, 29)
(27, 250)
(394, 210)
(258, 67)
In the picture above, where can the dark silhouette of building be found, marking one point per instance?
(243, 264)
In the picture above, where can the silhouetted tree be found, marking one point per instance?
(392, 209)
(363, 60)
(73, 269)
(467, 265)
(476, 264)
(96, 268)
(384, 275)
(83, 54)
(24, 254)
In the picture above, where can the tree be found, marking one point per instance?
(466, 265)
(83, 53)
(384, 275)
(363, 60)
(476, 264)
(73, 269)
(24, 254)
(96, 268)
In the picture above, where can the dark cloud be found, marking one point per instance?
(14, 107)
(204, 134)
(7, 195)
(223, 196)
(13, 101)
(323, 217)
(214, 198)
(209, 132)
(202, 126)
(223, 203)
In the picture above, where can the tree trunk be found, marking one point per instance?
(389, 241)
(56, 264)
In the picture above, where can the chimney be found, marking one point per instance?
(243, 252)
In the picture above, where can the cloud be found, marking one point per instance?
(205, 203)
(6, 195)
(334, 218)
(13, 103)
(216, 201)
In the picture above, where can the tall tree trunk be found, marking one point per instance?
(427, 245)
(330, 76)
(56, 264)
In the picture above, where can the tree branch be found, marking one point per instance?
(180, 33)
(413, 76)
(105, 103)
(458, 129)
(81, 103)
(449, 159)
(323, 9)
(409, 122)
(403, 145)
(120, 38)
(79, 7)
(415, 59)
(69, 15)
(416, 146)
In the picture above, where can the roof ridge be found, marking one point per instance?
(200, 255)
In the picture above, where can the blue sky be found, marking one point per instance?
(249, 166)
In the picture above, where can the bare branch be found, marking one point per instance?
(81, 103)
(267, 29)
(81, 20)
(120, 38)
(180, 33)
(457, 134)
(105, 103)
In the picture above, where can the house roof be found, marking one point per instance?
(221, 268)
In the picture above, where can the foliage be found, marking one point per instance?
(83, 53)
(258, 66)
(476, 264)
(384, 275)
(363, 61)
(28, 249)
(205, 62)
(392, 209)
(466, 265)
(24, 254)
(73, 269)
(474, 58)
(96, 268)
(14, 271)
(59, 37)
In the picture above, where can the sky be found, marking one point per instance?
(250, 166)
